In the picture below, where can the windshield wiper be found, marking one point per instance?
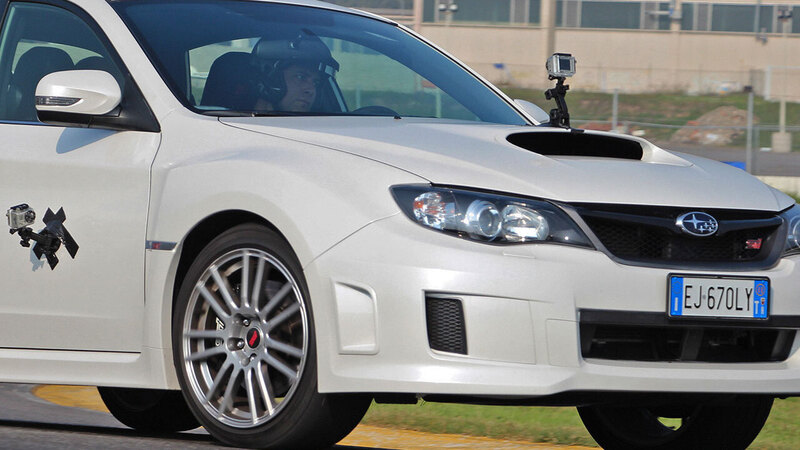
(232, 113)
(292, 113)
(226, 113)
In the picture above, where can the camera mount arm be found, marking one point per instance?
(559, 116)
(559, 66)
(47, 243)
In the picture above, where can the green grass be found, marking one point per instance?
(782, 431)
(664, 108)
(551, 425)
(548, 425)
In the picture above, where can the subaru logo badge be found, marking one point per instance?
(697, 224)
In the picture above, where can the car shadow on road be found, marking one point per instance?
(109, 431)
(171, 438)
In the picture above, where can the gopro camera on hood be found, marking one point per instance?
(560, 65)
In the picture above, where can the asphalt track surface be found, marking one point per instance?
(765, 163)
(36, 417)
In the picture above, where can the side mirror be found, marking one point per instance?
(538, 114)
(77, 93)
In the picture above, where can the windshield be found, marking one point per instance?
(254, 58)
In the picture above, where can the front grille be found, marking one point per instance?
(683, 343)
(445, 320)
(642, 242)
(650, 235)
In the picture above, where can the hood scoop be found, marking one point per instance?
(577, 144)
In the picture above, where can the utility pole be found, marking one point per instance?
(548, 16)
(782, 141)
(748, 164)
(419, 6)
(675, 15)
(757, 20)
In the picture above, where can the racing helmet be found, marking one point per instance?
(273, 56)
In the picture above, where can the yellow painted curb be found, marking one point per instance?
(363, 436)
(85, 397)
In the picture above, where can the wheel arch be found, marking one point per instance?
(204, 232)
(159, 333)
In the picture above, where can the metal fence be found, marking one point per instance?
(733, 136)
(757, 158)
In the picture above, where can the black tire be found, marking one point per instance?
(729, 426)
(257, 339)
(149, 410)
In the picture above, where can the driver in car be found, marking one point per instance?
(293, 71)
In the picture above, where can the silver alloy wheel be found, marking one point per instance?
(245, 337)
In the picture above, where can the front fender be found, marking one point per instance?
(314, 196)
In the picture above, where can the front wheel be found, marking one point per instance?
(729, 426)
(245, 350)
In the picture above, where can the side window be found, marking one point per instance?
(201, 61)
(236, 75)
(37, 40)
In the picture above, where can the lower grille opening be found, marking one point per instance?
(685, 343)
(445, 320)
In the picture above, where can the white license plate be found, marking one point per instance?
(714, 296)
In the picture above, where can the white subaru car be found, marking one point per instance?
(259, 216)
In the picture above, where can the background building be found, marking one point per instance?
(632, 46)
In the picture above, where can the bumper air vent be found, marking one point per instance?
(445, 321)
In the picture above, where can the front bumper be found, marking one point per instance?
(521, 307)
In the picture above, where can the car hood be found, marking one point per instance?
(480, 156)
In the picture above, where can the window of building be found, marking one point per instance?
(483, 11)
(610, 14)
(429, 10)
(396, 9)
(687, 16)
(655, 16)
(728, 17)
(648, 15)
(766, 19)
(568, 13)
(519, 11)
(389, 7)
(492, 11)
(535, 12)
(793, 24)
(695, 16)
(733, 18)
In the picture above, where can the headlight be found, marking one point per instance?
(488, 217)
(792, 218)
